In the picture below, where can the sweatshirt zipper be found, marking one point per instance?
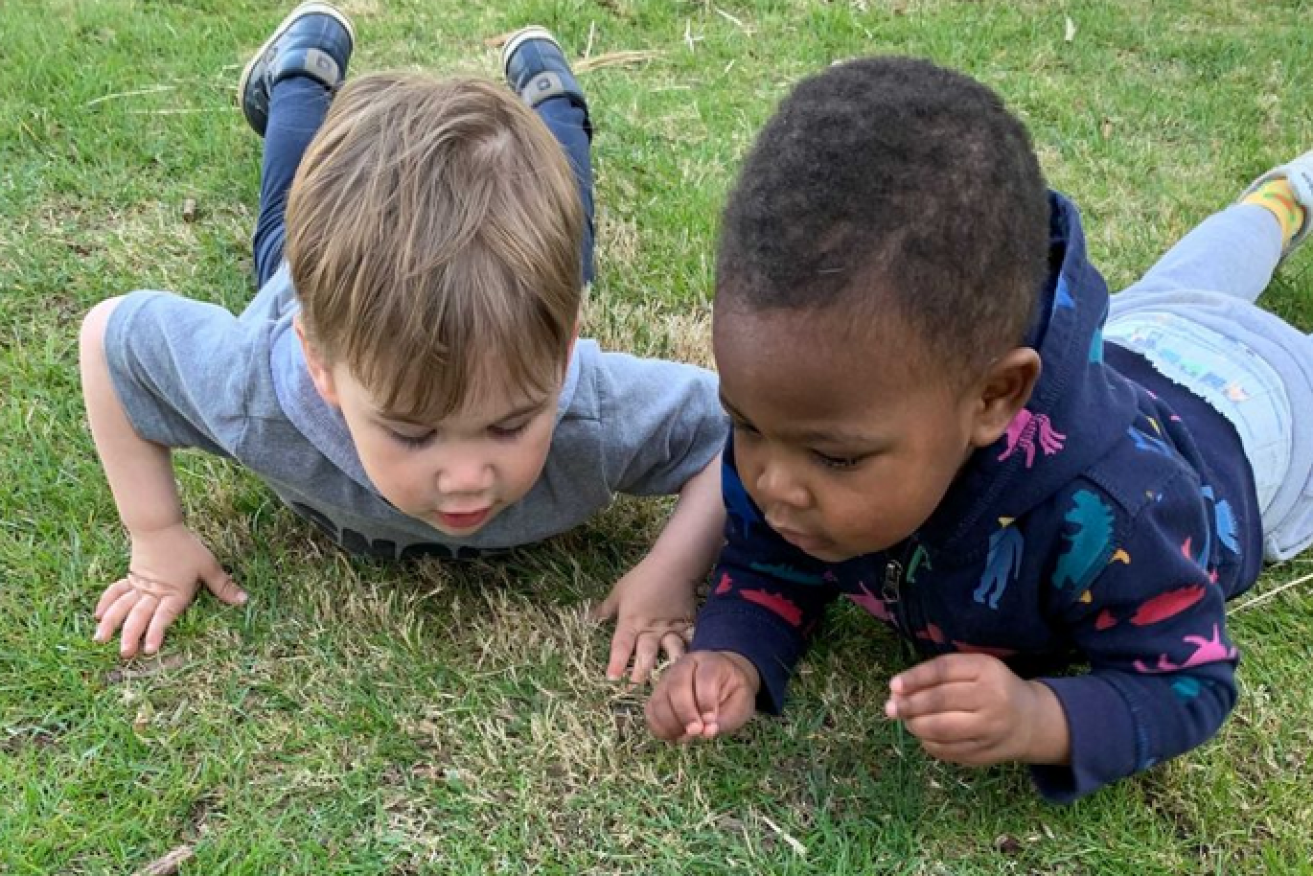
(892, 589)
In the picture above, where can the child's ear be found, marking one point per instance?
(320, 372)
(1002, 392)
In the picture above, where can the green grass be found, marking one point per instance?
(359, 718)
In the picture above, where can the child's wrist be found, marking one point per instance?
(1049, 738)
(747, 668)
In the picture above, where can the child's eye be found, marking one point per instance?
(838, 463)
(412, 440)
(507, 432)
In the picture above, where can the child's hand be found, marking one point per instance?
(653, 609)
(705, 694)
(166, 569)
(972, 709)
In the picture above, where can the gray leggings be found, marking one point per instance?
(1194, 316)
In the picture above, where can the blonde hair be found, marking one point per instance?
(433, 233)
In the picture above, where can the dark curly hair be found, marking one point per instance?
(892, 185)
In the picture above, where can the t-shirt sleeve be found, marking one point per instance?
(662, 423)
(179, 368)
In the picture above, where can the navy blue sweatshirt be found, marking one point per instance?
(1107, 527)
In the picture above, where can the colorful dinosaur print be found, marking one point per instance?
(872, 603)
(1006, 547)
(1206, 651)
(1089, 541)
(1148, 442)
(1096, 347)
(931, 633)
(1225, 520)
(786, 573)
(1105, 621)
(1062, 296)
(726, 582)
(776, 603)
(1186, 687)
(920, 557)
(1028, 430)
(1166, 605)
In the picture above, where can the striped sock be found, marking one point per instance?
(1279, 199)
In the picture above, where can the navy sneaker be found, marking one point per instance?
(314, 40)
(535, 67)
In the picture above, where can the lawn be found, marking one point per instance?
(440, 718)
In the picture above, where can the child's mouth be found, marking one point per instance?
(463, 520)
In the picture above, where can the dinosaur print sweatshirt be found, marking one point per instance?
(1099, 539)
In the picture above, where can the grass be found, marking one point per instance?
(360, 718)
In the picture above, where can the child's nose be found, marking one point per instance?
(464, 473)
(776, 486)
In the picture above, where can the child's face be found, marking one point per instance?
(455, 475)
(846, 446)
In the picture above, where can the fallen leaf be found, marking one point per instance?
(169, 864)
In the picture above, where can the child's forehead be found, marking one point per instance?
(840, 339)
(490, 396)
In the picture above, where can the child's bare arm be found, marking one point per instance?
(653, 603)
(168, 560)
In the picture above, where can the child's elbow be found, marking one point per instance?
(91, 337)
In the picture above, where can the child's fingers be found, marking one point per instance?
(114, 615)
(662, 719)
(946, 728)
(606, 610)
(110, 596)
(221, 584)
(165, 614)
(956, 696)
(675, 645)
(709, 684)
(940, 670)
(645, 657)
(134, 626)
(622, 648)
(686, 698)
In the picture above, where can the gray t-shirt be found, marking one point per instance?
(190, 374)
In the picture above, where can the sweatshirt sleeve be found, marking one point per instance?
(767, 596)
(1152, 622)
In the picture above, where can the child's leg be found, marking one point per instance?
(1233, 252)
(1193, 316)
(296, 110)
(285, 91)
(569, 123)
(535, 67)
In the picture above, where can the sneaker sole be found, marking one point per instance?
(314, 7)
(522, 36)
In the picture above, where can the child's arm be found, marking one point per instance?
(653, 603)
(1152, 623)
(972, 709)
(167, 560)
(768, 597)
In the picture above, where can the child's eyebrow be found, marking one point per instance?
(523, 410)
(829, 435)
